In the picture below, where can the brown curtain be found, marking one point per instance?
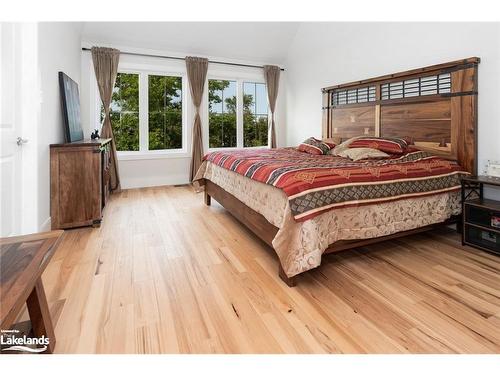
(197, 73)
(106, 67)
(272, 76)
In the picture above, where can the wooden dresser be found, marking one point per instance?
(79, 182)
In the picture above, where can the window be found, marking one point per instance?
(237, 114)
(222, 113)
(125, 112)
(165, 112)
(255, 112)
(147, 112)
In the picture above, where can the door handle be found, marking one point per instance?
(20, 141)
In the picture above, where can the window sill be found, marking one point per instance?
(149, 155)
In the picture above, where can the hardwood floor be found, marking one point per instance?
(166, 274)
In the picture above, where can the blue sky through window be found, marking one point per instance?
(259, 94)
(228, 92)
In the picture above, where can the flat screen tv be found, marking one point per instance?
(70, 100)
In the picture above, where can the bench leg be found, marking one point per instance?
(40, 316)
(290, 281)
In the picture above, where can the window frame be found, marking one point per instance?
(144, 152)
(239, 109)
(238, 104)
(262, 81)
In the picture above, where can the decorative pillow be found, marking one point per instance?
(361, 153)
(333, 142)
(344, 145)
(390, 145)
(315, 146)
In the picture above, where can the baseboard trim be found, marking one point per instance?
(133, 183)
(46, 226)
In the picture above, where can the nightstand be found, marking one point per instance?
(480, 216)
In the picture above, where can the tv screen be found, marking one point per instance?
(71, 108)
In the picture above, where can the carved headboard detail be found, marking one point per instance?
(435, 106)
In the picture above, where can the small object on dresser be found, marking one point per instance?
(70, 101)
(95, 134)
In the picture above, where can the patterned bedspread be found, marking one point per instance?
(317, 183)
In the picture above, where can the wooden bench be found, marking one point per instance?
(22, 262)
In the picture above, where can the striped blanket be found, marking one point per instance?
(317, 183)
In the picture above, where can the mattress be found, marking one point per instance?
(300, 244)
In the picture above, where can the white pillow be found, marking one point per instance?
(344, 145)
(361, 153)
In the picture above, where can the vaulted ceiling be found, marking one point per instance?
(265, 42)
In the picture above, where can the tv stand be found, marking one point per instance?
(79, 182)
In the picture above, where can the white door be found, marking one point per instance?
(10, 130)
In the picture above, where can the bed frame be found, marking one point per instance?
(435, 107)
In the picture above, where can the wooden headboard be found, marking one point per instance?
(435, 107)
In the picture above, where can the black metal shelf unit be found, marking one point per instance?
(481, 216)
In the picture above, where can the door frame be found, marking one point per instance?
(30, 108)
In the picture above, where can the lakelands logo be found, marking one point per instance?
(11, 341)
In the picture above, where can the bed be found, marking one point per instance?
(305, 206)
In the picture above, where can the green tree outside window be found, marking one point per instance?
(125, 112)
(255, 112)
(165, 112)
(222, 113)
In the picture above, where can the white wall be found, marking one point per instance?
(58, 50)
(324, 54)
(169, 169)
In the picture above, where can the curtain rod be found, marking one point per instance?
(182, 58)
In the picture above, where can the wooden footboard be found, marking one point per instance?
(266, 231)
